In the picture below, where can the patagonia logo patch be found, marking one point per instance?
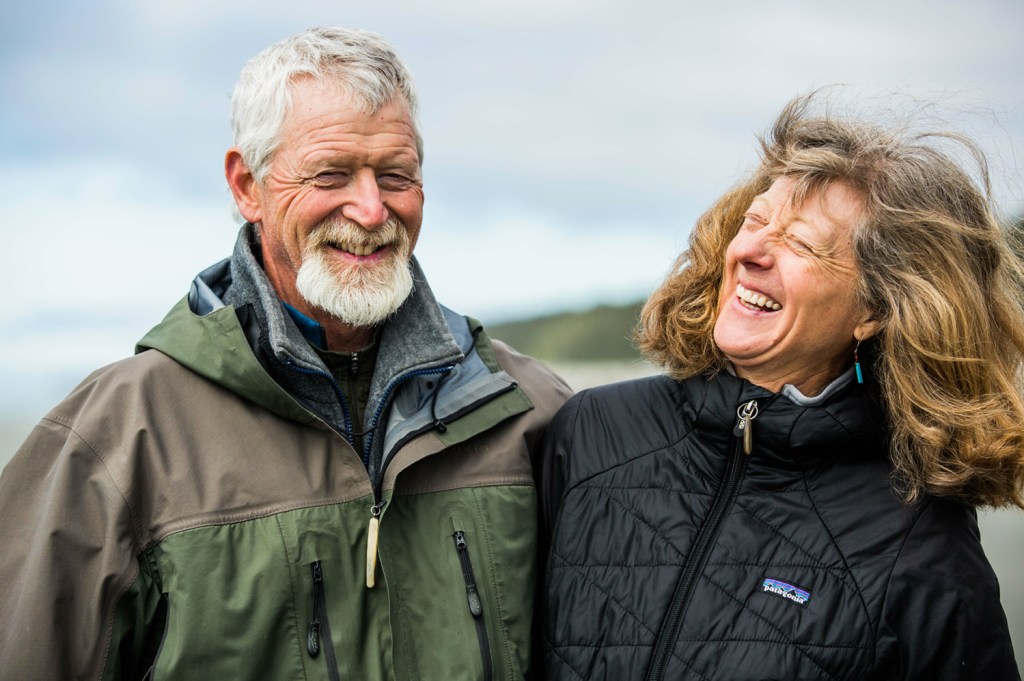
(779, 588)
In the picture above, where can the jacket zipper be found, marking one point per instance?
(378, 504)
(382, 404)
(475, 604)
(319, 634)
(348, 434)
(373, 526)
(724, 498)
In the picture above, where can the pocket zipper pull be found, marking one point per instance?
(472, 595)
(372, 534)
(313, 634)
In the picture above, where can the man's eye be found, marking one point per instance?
(393, 181)
(331, 179)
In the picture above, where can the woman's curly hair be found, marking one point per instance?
(935, 270)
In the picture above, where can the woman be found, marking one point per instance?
(844, 340)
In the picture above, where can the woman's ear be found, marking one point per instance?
(867, 328)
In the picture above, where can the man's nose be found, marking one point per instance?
(364, 204)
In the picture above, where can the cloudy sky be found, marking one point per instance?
(569, 143)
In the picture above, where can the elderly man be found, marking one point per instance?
(310, 469)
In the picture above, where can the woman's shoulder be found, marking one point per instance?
(946, 531)
(646, 391)
(942, 585)
(628, 405)
(601, 426)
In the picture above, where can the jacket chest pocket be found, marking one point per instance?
(460, 567)
(474, 604)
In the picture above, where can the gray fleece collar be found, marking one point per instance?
(416, 337)
(251, 287)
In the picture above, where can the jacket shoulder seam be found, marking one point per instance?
(903, 544)
(67, 424)
(892, 571)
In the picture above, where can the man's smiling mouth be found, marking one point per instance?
(360, 250)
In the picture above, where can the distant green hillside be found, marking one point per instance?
(599, 334)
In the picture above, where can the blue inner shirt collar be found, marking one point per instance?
(309, 327)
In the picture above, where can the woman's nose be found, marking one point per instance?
(756, 248)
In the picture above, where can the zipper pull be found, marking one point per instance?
(313, 635)
(371, 544)
(472, 595)
(746, 412)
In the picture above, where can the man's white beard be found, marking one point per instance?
(357, 295)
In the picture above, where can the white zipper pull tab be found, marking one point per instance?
(746, 412)
(372, 534)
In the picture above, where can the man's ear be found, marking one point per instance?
(243, 186)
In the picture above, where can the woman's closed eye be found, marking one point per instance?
(754, 221)
(799, 245)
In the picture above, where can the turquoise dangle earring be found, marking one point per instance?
(856, 364)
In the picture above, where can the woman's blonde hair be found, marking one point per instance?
(936, 271)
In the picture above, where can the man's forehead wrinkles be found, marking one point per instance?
(345, 146)
(346, 130)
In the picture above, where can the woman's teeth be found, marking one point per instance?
(756, 299)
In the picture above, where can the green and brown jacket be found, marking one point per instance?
(197, 511)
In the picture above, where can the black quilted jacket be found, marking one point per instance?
(675, 554)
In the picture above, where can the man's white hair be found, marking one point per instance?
(362, 63)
